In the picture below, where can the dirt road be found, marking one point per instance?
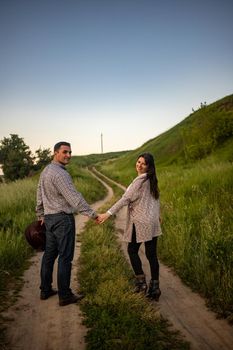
(43, 325)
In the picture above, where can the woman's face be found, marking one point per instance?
(141, 166)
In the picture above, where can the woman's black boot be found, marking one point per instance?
(154, 291)
(140, 284)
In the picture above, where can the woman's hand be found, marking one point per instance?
(102, 217)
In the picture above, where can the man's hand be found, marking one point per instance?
(41, 221)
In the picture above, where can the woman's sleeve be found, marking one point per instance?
(131, 195)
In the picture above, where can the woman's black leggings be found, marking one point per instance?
(151, 254)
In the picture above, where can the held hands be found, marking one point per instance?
(102, 217)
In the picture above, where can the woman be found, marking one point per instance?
(143, 222)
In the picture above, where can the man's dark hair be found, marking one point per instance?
(59, 144)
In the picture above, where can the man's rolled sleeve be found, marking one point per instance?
(39, 203)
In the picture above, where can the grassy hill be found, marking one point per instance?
(207, 132)
(197, 136)
(90, 159)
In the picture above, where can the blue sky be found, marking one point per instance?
(73, 69)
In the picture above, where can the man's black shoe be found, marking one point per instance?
(46, 295)
(71, 299)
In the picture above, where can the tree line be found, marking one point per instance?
(17, 159)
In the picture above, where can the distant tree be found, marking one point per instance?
(15, 157)
(43, 157)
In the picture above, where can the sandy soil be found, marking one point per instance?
(43, 325)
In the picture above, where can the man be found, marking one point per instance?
(57, 202)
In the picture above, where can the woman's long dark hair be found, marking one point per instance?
(151, 174)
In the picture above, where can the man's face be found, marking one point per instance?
(63, 155)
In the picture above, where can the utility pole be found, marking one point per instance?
(101, 143)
